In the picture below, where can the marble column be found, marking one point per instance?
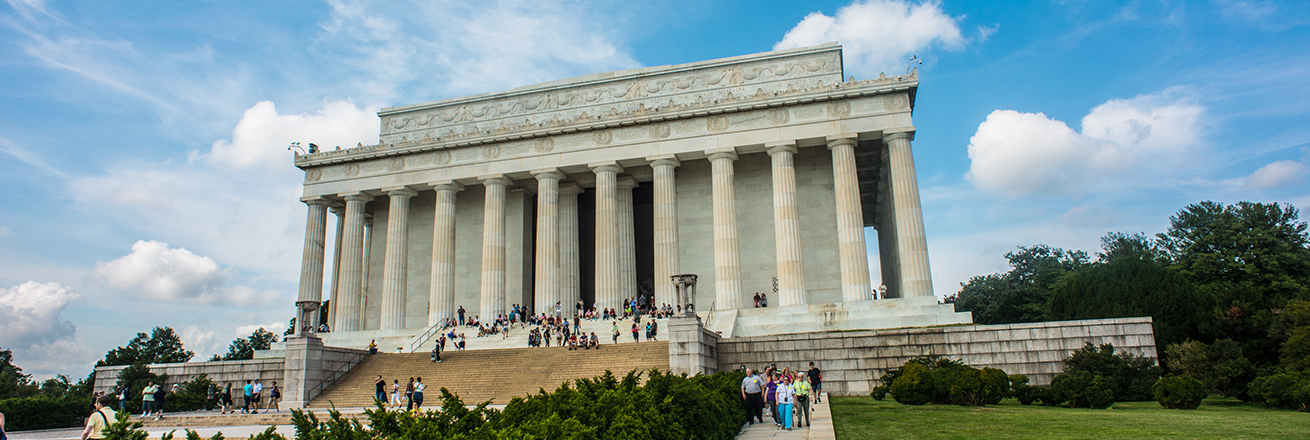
(727, 249)
(665, 226)
(570, 267)
(396, 259)
(366, 264)
(441, 297)
(627, 240)
(340, 212)
(493, 247)
(311, 265)
(349, 316)
(850, 219)
(608, 262)
(787, 225)
(916, 276)
(546, 286)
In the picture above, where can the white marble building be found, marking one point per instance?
(742, 170)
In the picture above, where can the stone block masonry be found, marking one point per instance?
(852, 361)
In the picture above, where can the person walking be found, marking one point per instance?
(122, 399)
(246, 392)
(634, 332)
(418, 394)
(751, 387)
(786, 398)
(225, 400)
(95, 424)
(771, 398)
(802, 389)
(257, 396)
(160, 396)
(409, 395)
(274, 396)
(379, 392)
(816, 382)
(395, 393)
(461, 315)
(616, 332)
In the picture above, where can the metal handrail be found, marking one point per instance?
(419, 340)
(334, 375)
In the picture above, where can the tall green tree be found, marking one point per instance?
(13, 382)
(1131, 279)
(244, 348)
(1249, 259)
(1021, 294)
(161, 346)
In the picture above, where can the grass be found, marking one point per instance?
(860, 418)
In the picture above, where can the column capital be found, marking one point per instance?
(721, 153)
(908, 134)
(446, 185)
(570, 188)
(780, 147)
(317, 200)
(357, 196)
(404, 191)
(663, 160)
(495, 179)
(843, 139)
(337, 210)
(548, 173)
(627, 182)
(612, 166)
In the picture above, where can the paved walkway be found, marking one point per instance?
(821, 426)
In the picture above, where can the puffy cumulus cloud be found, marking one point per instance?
(200, 341)
(262, 135)
(387, 50)
(30, 314)
(879, 35)
(1022, 154)
(154, 271)
(1277, 174)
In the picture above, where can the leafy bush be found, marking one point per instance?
(1050, 396)
(913, 385)
(1084, 390)
(42, 412)
(1220, 366)
(1179, 392)
(879, 392)
(1019, 389)
(1128, 377)
(1283, 390)
(996, 385)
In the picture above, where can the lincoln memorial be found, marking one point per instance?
(758, 173)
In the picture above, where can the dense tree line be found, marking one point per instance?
(1228, 287)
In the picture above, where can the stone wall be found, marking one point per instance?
(852, 361)
(221, 372)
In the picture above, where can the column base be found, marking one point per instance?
(692, 348)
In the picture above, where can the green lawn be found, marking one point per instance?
(858, 418)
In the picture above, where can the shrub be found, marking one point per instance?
(1128, 377)
(1084, 390)
(996, 385)
(913, 385)
(1050, 396)
(1179, 392)
(1220, 366)
(879, 392)
(42, 412)
(1282, 390)
(1019, 389)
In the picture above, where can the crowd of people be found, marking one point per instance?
(784, 395)
(413, 393)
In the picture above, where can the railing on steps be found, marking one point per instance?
(423, 338)
(341, 370)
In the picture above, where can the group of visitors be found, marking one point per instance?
(784, 395)
(413, 393)
(761, 300)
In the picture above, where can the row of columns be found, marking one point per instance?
(557, 258)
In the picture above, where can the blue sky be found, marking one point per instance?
(146, 182)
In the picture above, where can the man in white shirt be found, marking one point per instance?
(254, 395)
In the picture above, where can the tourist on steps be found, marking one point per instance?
(751, 387)
(786, 397)
(373, 347)
(771, 398)
(96, 423)
(379, 392)
(395, 393)
(802, 389)
(409, 395)
(418, 394)
(816, 381)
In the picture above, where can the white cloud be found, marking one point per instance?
(879, 35)
(156, 272)
(1277, 174)
(1021, 154)
(454, 48)
(200, 341)
(262, 135)
(30, 314)
(4, 231)
(244, 331)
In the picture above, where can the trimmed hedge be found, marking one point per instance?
(939, 380)
(42, 412)
(1283, 390)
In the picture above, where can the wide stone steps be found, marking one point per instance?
(494, 374)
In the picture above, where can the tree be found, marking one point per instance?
(1021, 294)
(1131, 279)
(1249, 259)
(244, 348)
(160, 347)
(13, 383)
